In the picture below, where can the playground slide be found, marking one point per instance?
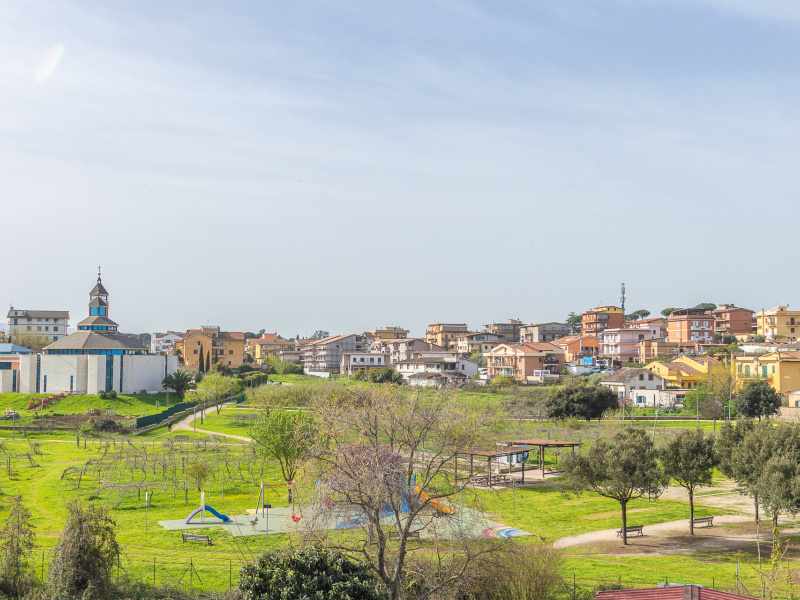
(209, 509)
(437, 506)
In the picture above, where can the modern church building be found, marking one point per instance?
(95, 358)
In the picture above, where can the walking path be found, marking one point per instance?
(187, 425)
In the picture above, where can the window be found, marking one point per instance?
(195, 351)
(230, 351)
(28, 328)
(47, 328)
(197, 342)
(55, 328)
(650, 377)
(641, 376)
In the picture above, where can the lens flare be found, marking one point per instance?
(49, 62)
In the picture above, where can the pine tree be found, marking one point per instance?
(202, 367)
(208, 360)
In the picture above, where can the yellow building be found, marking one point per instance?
(781, 369)
(215, 345)
(685, 372)
(269, 345)
(778, 323)
(445, 334)
(389, 333)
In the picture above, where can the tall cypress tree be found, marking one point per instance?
(208, 360)
(202, 366)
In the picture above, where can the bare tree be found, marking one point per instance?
(385, 463)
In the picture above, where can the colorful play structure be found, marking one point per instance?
(210, 509)
(440, 508)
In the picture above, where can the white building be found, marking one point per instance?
(163, 343)
(638, 386)
(360, 361)
(436, 364)
(93, 359)
(51, 324)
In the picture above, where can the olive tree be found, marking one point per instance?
(576, 399)
(689, 459)
(623, 468)
(757, 399)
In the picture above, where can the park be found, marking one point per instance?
(440, 487)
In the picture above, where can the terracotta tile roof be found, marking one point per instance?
(623, 375)
(672, 592)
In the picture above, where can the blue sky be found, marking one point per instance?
(305, 165)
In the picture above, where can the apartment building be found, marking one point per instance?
(505, 332)
(445, 334)
(778, 323)
(404, 349)
(268, 345)
(164, 343)
(388, 333)
(324, 357)
(448, 365)
(596, 321)
(657, 326)
(733, 319)
(578, 346)
(542, 332)
(781, 369)
(684, 372)
(51, 324)
(660, 349)
(623, 344)
(691, 325)
(480, 341)
(215, 345)
(523, 361)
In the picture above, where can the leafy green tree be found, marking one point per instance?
(311, 572)
(17, 541)
(778, 487)
(576, 399)
(286, 437)
(180, 382)
(319, 334)
(575, 322)
(668, 311)
(706, 306)
(478, 357)
(384, 375)
(85, 555)
(624, 468)
(214, 389)
(198, 471)
(757, 399)
(689, 459)
(759, 339)
(638, 314)
(728, 339)
(284, 367)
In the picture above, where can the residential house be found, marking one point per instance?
(542, 332)
(388, 333)
(781, 369)
(164, 343)
(50, 324)
(691, 325)
(450, 365)
(480, 341)
(778, 323)
(577, 347)
(596, 321)
(324, 357)
(525, 361)
(214, 344)
(362, 361)
(445, 334)
(657, 326)
(659, 349)
(268, 345)
(506, 332)
(632, 384)
(733, 319)
(685, 372)
(622, 344)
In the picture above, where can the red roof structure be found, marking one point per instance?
(671, 592)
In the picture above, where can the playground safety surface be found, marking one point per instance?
(467, 522)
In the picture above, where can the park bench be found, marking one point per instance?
(412, 535)
(194, 537)
(631, 529)
(699, 520)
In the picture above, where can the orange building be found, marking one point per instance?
(735, 320)
(578, 346)
(523, 361)
(690, 325)
(226, 347)
(597, 320)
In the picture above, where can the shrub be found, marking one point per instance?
(112, 394)
(17, 540)
(85, 554)
(312, 572)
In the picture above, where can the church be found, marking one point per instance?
(95, 358)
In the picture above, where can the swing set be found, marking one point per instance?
(291, 489)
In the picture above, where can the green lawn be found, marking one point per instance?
(233, 421)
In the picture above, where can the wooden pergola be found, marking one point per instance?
(541, 445)
(489, 455)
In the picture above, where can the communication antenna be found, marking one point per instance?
(622, 300)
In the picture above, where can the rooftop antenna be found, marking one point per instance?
(622, 300)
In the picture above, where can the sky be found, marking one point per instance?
(296, 166)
